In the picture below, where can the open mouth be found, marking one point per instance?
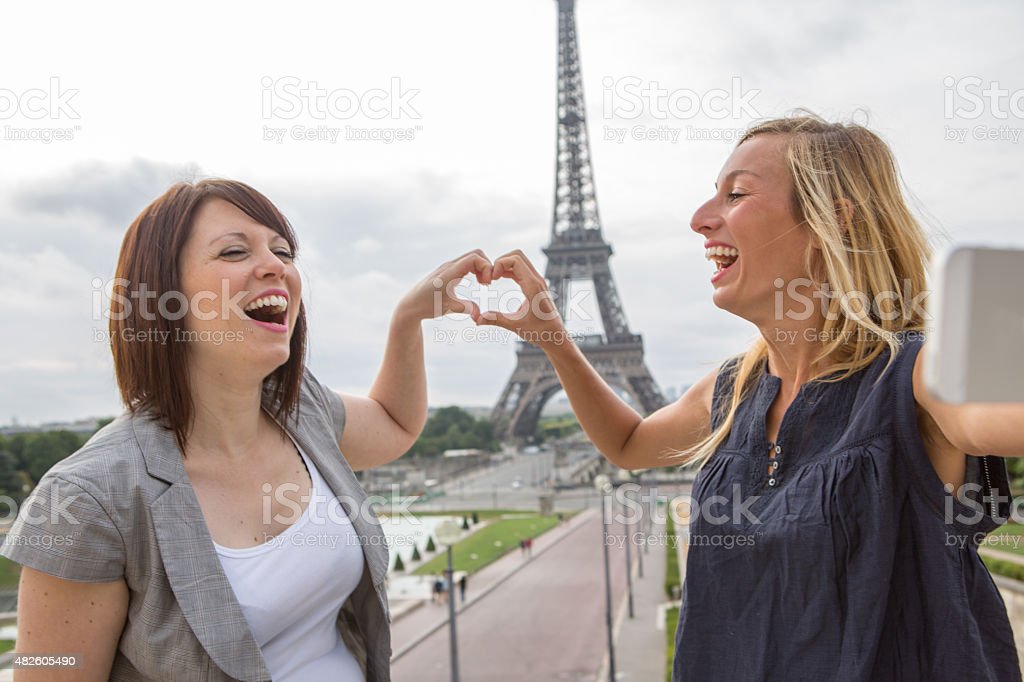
(724, 257)
(272, 309)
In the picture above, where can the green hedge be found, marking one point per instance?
(671, 558)
(671, 620)
(1006, 569)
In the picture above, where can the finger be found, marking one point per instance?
(515, 267)
(475, 261)
(525, 259)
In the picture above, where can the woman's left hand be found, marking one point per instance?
(434, 296)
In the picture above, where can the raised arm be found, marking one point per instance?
(57, 616)
(383, 426)
(619, 432)
(974, 428)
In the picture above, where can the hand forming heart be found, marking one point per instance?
(536, 320)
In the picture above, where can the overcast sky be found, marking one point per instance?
(141, 97)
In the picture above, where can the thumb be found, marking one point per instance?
(510, 321)
(492, 318)
(461, 305)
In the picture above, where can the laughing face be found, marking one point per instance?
(244, 291)
(752, 236)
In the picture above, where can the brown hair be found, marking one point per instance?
(154, 376)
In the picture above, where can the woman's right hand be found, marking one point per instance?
(537, 320)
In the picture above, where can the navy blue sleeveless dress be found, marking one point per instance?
(848, 561)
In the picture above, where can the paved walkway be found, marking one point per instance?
(544, 619)
(640, 640)
(539, 620)
(412, 625)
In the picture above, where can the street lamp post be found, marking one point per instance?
(643, 523)
(448, 534)
(602, 484)
(627, 527)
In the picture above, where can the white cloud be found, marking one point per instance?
(373, 218)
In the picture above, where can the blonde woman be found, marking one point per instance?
(837, 551)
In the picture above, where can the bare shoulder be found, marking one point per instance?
(703, 391)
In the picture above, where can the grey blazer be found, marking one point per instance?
(122, 507)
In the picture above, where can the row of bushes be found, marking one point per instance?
(1006, 569)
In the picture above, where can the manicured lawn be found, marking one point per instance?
(9, 573)
(671, 559)
(482, 514)
(6, 645)
(671, 620)
(489, 544)
(1007, 538)
(1007, 569)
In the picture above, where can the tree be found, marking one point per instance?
(11, 480)
(452, 428)
(431, 547)
(399, 566)
(16, 446)
(45, 449)
(416, 553)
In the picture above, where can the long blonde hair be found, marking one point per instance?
(876, 248)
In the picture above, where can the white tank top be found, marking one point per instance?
(292, 587)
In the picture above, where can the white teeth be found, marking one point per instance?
(714, 251)
(275, 301)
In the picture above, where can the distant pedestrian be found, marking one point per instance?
(522, 547)
(435, 595)
(462, 588)
(529, 546)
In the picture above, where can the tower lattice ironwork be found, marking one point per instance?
(577, 252)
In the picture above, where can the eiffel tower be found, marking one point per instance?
(578, 251)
